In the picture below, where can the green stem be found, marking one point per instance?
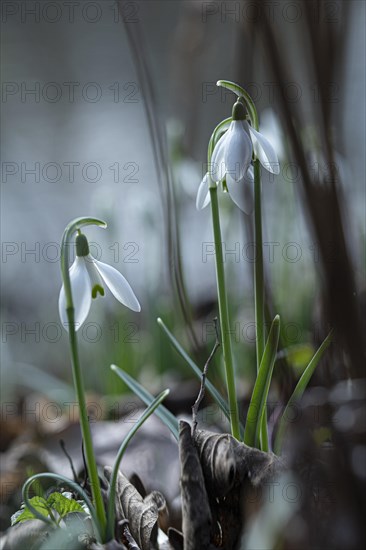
(259, 287)
(76, 370)
(84, 422)
(224, 316)
(258, 265)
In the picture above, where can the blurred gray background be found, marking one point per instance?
(75, 141)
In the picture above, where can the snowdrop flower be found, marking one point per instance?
(231, 161)
(88, 276)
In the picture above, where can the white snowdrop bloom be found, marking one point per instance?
(240, 191)
(231, 160)
(89, 276)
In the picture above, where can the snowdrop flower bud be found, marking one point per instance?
(89, 277)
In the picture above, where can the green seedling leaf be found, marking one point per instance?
(299, 390)
(197, 371)
(261, 388)
(63, 505)
(39, 503)
(50, 519)
(162, 412)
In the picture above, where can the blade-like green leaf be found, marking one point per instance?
(299, 390)
(261, 387)
(210, 387)
(162, 412)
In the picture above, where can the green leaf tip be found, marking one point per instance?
(162, 412)
(299, 390)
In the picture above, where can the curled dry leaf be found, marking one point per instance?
(226, 462)
(196, 514)
(142, 514)
(218, 460)
(255, 465)
(157, 498)
(218, 472)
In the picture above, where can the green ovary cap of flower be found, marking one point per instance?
(82, 245)
(239, 111)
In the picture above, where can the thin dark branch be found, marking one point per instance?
(201, 393)
(63, 447)
(85, 465)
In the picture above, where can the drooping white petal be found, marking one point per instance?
(203, 193)
(238, 150)
(264, 152)
(217, 167)
(81, 294)
(96, 280)
(118, 285)
(241, 192)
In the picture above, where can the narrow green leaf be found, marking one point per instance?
(63, 505)
(162, 412)
(113, 480)
(197, 371)
(39, 503)
(299, 390)
(261, 388)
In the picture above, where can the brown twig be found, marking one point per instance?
(201, 393)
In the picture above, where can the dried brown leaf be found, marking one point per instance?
(142, 514)
(196, 512)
